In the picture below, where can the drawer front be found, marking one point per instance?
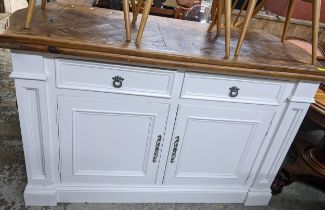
(83, 75)
(232, 88)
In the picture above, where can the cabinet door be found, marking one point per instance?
(215, 146)
(109, 141)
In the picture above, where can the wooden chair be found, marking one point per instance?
(183, 6)
(31, 7)
(252, 11)
(217, 9)
(144, 18)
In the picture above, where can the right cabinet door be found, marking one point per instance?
(215, 146)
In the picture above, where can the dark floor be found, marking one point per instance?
(13, 176)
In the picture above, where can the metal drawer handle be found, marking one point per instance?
(172, 160)
(117, 81)
(155, 154)
(233, 91)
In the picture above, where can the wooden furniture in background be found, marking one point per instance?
(31, 8)
(251, 11)
(218, 6)
(309, 163)
(315, 24)
(183, 6)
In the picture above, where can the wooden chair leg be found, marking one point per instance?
(219, 15)
(213, 15)
(316, 16)
(143, 22)
(227, 26)
(137, 10)
(249, 13)
(241, 11)
(287, 21)
(133, 6)
(44, 4)
(126, 12)
(29, 17)
(256, 11)
(214, 8)
(234, 5)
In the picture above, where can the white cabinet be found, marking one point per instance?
(215, 146)
(154, 135)
(110, 142)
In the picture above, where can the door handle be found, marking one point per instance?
(156, 152)
(172, 160)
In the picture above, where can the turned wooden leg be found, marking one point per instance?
(126, 12)
(43, 4)
(31, 7)
(316, 16)
(256, 11)
(221, 4)
(286, 24)
(136, 11)
(234, 5)
(213, 15)
(133, 6)
(241, 11)
(143, 22)
(249, 13)
(214, 8)
(227, 26)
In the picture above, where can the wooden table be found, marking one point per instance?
(167, 42)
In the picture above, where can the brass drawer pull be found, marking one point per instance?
(117, 81)
(172, 160)
(233, 91)
(155, 154)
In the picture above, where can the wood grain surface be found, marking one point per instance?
(99, 33)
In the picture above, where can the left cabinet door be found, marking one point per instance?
(110, 141)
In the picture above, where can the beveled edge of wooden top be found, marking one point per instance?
(163, 59)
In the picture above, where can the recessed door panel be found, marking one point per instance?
(113, 142)
(215, 146)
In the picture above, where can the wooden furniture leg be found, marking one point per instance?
(126, 12)
(213, 15)
(133, 6)
(31, 7)
(287, 21)
(256, 11)
(143, 22)
(219, 15)
(214, 8)
(248, 17)
(44, 4)
(316, 16)
(136, 11)
(241, 11)
(227, 26)
(234, 5)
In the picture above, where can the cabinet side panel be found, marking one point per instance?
(34, 127)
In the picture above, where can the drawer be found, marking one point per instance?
(223, 88)
(84, 75)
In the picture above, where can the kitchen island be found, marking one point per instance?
(170, 121)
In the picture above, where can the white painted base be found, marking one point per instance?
(258, 198)
(43, 196)
(40, 196)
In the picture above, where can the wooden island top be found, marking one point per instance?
(167, 43)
